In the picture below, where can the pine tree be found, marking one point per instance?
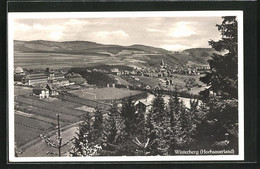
(134, 128)
(185, 123)
(158, 109)
(112, 118)
(97, 127)
(174, 108)
(174, 113)
(222, 113)
(88, 138)
(109, 139)
(223, 79)
(128, 114)
(81, 142)
(158, 127)
(140, 123)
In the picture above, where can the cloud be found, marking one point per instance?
(77, 22)
(56, 35)
(153, 30)
(50, 27)
(107, 34)
(171, 33)
(182, 29)
(22, 27)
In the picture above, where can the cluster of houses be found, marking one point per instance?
(45, 90)
(163, 70)
(46, 83)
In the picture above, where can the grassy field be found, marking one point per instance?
(48, 113)
(24, 134)
(60, 107)
(121, 81)
(43, 60)
(57, 60)
(183, 77)
(151, 81)
(105, 93)
(37, 116)
(20, 90)
(33, 123)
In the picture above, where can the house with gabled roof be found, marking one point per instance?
(41, 91)
(52, 89)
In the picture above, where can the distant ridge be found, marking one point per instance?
(146, 54)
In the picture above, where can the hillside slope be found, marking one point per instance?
(135, 54)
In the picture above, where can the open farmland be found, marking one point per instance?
(85, 102)
(185, 77)
(20, 90)
(41, 60)
(105, 93)
(24, 134)
(47, 113)
(34, 116)
(64, 103)
(120, 80)
(32, 123)
(151, 81)
(61, 60)
(55, 108)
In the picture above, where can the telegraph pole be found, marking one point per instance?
(59, 139)
(57, 145)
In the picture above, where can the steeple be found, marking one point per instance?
(162, 63)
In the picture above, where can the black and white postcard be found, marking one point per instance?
(125, 86)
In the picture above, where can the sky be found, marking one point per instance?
(170, 33)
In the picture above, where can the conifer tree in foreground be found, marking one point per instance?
(88, 138)
(112, 133)
(97, 127)
(128, 113)
(123, 129)
(174, 114)
(157, 127)
(222, 118)
(223, 79)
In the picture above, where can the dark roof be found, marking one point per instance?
(36, 76)
(51, 87)
(73, 74)
(58, 74)
(39, 89)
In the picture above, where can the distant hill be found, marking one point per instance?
(135, 54)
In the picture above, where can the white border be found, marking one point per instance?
(16, 15)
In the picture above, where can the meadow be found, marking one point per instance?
(58, 107)
(58, 60)
(34, 117)
(24, 134)
(20, 90)
(105, 93)
(33, 123)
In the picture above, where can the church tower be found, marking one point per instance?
(162, 63)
